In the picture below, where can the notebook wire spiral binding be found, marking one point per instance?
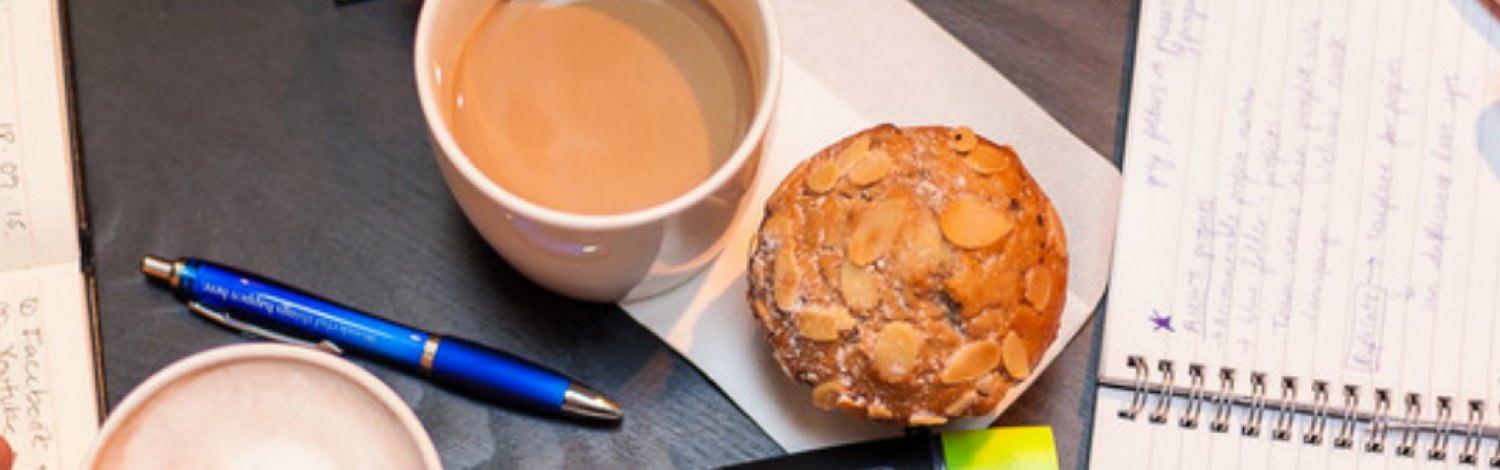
(1345, 438)
(1314, 434)
(1380, 423)
(1285, 414)
(1434, 435)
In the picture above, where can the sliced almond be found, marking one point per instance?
(823, 323)
(761, 314)
(842, 320)
(1039, 286)
(871, 168)
(926, 420)
(962, 404)
(1010, 179)
(1013, 353)
(859, 286)
(896, 350)
(822, 176)
(970, 362)
(854, 152)
(826, 395)
(826, 172)
(962, 139)
(786, 278)
(989, 384)
(986, 159)
(1056, 234)
(780, 226)
(845, 403)
(925, 251)
(878, 411)
(874, 232)
(970, 223)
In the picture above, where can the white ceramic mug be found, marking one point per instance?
(262, 405)
(601, 257)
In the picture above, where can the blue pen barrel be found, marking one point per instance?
(463, 366)
(290, 311)
(492, 375)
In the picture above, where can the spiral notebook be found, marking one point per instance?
(1307, 265)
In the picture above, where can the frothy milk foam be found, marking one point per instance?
(262, 413)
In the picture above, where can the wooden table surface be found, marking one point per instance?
(284, 136)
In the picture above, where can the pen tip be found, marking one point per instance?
(585, 402)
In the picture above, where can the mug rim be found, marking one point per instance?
(752, 139)
(260, 351)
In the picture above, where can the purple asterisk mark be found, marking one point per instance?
(1161, 322)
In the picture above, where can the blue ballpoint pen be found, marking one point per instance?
(247, 303)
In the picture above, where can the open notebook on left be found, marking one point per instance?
(49, 400)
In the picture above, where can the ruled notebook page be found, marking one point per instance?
(1311, 200)
(48, 382)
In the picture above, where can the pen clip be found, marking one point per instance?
(223, 319)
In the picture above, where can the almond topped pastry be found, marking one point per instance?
(909, 275)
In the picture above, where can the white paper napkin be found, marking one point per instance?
(848, 65)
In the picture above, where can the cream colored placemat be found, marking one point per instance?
(850, 64)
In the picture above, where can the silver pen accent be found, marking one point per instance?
(585, 401)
